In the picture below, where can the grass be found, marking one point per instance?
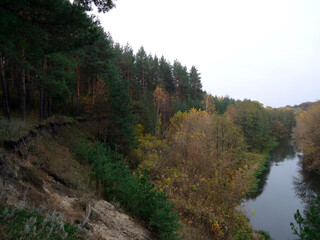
(260, 162)
(18, 223)
(12, 130)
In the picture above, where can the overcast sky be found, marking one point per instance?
(265, 50)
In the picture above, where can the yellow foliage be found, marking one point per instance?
(307, 136)
(201, 165)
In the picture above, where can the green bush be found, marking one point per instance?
(308, 227)
(135, 193)
(22, 224)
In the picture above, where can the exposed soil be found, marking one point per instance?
(39, 169)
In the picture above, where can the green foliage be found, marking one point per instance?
(146, 113)
(24, 224)
(222, 103)
(120, 118)
(308, 226)
(135, 193)
(58, 82)
(265, 234)
(242, 228)
(254, 121)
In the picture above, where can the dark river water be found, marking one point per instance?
(284, 187)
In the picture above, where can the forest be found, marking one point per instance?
(174, 156)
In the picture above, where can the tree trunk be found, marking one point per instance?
(28, 99)
(41, 103)
(93, 92)
(22, 88)
(49, 106)
(42, 96)
(45, 107)
(29, 92)
(78, 89)
(72, 104)
(5, 99)
(15, 77)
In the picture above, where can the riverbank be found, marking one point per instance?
(283, 188)
(262, 164)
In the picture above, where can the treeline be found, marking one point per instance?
(261, 126)
(55, 58)
(303, 106)
(202, 149)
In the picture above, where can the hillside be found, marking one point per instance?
(38, 171)
(138, 141)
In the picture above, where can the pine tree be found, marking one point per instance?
(120, 130)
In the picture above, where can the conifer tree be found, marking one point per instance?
(120, 129)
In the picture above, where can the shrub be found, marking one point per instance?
(135, 193)
(309, 227)
(22, 224)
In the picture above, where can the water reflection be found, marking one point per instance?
(284, 151)
(283, 188)
(306, 187)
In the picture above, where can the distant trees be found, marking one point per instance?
(253, 119)
(307, 136)
(282, 121)
(151, 80)
(261, 126)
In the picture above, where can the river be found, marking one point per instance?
(283, 188)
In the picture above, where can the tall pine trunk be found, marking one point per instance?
(22, 88)
(42, 96)
(5, 98)
(45, 106)
(93, 92)
(29, 101)
(49, 106)
(72, 104)
(41, 103)
(78, 89)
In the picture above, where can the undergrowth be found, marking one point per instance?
(18, 223)
(11, 130)
(134, 192)
(263, 165)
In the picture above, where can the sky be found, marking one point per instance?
(264, 50)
